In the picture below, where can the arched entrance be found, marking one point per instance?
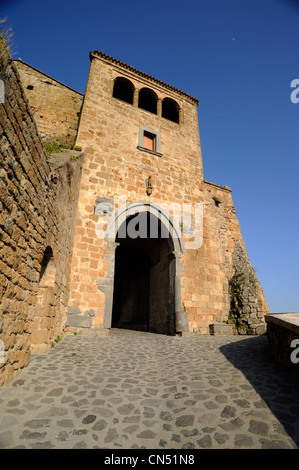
(147, 272)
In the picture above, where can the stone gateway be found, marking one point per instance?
(106, 219)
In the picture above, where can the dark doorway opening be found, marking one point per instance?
(143, 297)
(131, 288)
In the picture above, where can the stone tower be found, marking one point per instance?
(156, 246)
(124, 232)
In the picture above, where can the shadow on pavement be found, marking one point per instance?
(276, 385)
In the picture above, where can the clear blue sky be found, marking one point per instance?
(238, 57)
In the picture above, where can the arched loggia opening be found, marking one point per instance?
(123, 89)
(148, 100)
(146, 284)
(171, 110)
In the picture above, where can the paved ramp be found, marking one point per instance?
(142, 390)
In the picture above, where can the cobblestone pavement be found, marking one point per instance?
(142, 390)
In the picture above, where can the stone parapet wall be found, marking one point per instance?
(38, 204)
(282, 330)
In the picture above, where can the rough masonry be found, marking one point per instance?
(38, 203)
(55, 107)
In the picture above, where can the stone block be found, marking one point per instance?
(261, 329)
(80, 321)
(251, 331)
(39, 336)
(220, 329)
(242, 331)
(181, 323)
(40, 348)
(73, 310)
(104, 206)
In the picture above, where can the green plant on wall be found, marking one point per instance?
(236, 300)
(58, 147)
(54, 147)
(56, 341)
(6, 45)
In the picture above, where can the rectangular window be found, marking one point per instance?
(149, 141)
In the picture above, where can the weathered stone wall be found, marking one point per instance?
(248, 305)
(37, 209)
(55, 107)
(206, 271)
(222, 255)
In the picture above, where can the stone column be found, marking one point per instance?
(136, 97)
(107, 286)
(181, 317)
(181, 116)
(159, 107)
